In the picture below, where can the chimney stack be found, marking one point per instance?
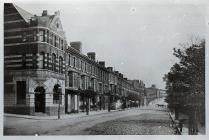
(102, 63)
(92, 55)
(110, 69)
(44, 13)
(153, 86)
(76, 45)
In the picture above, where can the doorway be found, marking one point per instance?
(40, 99)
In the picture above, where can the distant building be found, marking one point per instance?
(152, 93)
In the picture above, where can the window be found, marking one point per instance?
(62, 45)
(48, 60)
(41, 35)
(70, 79)
(35, 35)
(23, 60)
(77, 64)
(81, 65)
(34, 62)
(24, 37)
(85, 67)
(41, 61)
(74, 61)
(53, 62)
(47, 36)
(21, 92)
(69, 60)
(100, 87)
(58, 43)
(55, 41)
(52, 39)
(83, 82)
(60, 64)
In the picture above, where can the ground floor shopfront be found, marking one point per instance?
(32, 92)
(76, 102)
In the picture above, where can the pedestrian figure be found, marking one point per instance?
(180, 126)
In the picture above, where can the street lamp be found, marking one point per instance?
(60, 95)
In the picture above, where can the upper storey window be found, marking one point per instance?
(24, 37)
(62, 45)
(53, 62)
(47, 36)
(42, 35)
(55, 41)
(41, 61)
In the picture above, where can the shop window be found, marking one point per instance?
(21, 92)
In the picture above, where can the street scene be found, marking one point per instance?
(104, 68)
(150, 120)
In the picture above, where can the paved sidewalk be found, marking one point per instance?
(62, 117)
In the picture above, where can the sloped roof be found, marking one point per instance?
(25, 15)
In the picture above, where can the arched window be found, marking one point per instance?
(53, 62)
(60, 64)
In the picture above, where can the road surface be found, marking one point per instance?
(136, 121)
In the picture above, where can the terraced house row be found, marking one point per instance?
(42, 70)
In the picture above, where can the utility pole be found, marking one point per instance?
(87, 105)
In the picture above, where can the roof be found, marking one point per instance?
(25, 15)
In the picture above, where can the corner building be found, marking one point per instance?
(34, 58)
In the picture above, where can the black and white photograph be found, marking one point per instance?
(116, 67)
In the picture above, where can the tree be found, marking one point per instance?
(87, 95)
(185, 83)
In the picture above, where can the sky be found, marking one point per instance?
(135, 38)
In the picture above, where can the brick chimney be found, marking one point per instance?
(92, 55)
(110, 69)
(102, 63)
(77, 45)
(44, 13)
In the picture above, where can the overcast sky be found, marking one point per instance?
(135, 38)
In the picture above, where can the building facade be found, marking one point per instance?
(152, 93)
(43, 71)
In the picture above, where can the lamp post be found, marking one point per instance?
(60, 95)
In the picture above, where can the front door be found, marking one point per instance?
(39, 102)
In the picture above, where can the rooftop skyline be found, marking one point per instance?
(134, 38)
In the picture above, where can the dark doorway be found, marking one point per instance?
(39, 99)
